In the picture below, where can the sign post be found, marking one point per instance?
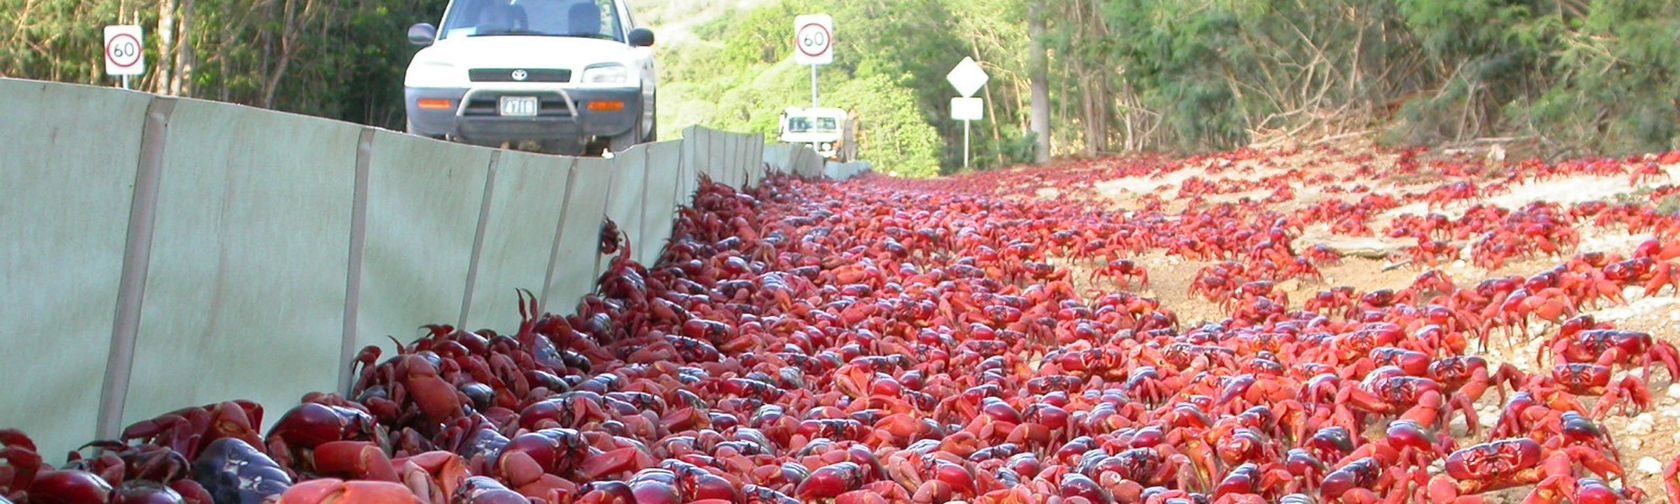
(813, 44)
(968, 78)
(124, 52)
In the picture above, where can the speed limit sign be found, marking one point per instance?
(813, 39)
(124, 53)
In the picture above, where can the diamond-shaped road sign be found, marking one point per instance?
(967, 77)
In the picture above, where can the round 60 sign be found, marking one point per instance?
(124, 51)
(813, 39)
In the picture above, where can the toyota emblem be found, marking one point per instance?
(520, 75)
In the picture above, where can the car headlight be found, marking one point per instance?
(606, 74)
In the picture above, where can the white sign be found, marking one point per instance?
(967, 77)
(813, 39)
(124, 52)
(968, 109)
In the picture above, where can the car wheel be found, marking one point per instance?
(630, 138)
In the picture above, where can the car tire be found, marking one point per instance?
(408, 127)
(629, 139)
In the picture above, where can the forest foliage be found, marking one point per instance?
(1550, 77)
(1561, 77)
(342, 59)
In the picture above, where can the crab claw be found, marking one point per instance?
(69, 487)
(22, 463)
(859, 497)
(959, 478)
(329, 490)
(1671, 477)
(433, 476)
(354, 459)
(612, 461)
(519, 468)
(830, 481)
(437, 399)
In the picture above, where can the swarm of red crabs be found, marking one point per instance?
(888, 341)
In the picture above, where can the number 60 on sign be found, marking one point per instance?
(813, 39)
(125, 54)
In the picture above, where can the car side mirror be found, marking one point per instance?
(641, 37)
(422, 34)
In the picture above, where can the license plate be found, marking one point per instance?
(518, 106)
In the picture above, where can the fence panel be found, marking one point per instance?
(245, 291)
(68, 176)
(525, 203)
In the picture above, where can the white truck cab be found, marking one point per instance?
(572, 75)
(829, 131)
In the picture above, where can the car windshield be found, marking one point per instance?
(558, 18)
(813, 125)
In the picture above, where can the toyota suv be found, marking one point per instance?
(571, 76)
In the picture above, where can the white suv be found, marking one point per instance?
(574, 75)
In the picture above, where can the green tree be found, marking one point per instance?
(1566, 76)
(334, 58)
(1616, 90)
(896, 138)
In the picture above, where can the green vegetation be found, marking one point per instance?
(1565, 77)
(339, 59)
(741, 76)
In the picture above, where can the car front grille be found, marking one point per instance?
(510, 74)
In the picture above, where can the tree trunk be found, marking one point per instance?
(1038, 67)
(1099, 29)
(166, 45)
(1093, 120)
(1077, 58)
(185, 60)
(288, 43)
(991, 111)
